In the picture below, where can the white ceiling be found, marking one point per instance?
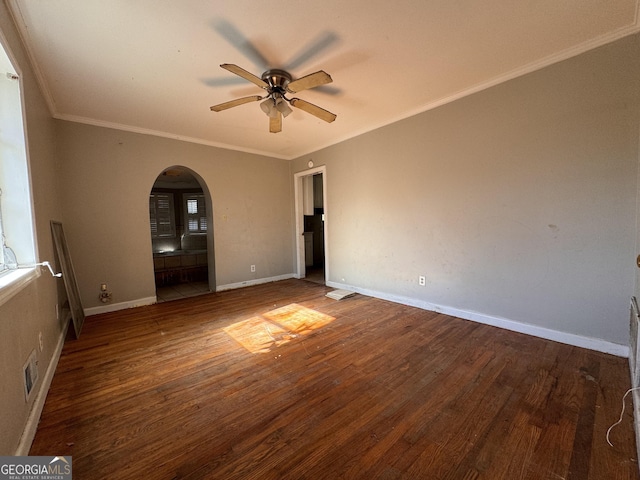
(153, 66)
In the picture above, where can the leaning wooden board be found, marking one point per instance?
(69, 277)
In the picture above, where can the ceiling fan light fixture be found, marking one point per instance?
(283, 107)
(268, 107)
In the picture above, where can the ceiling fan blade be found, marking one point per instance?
(223, 81)
(321, 113)
(242, 43)
(309, 81)
(275, 123)
(246, 75)
(235, 103)
(329, 90)
(320, 43)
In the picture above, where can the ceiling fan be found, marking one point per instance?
(278, 83)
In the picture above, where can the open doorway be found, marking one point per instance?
(311, 221)
(181, 230)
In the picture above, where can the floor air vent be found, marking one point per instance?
(30, 370)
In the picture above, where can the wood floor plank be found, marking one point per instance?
(605, 458)
(278, 381)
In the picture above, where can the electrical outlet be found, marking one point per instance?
(253, 268)
(422, 280)
(105, 297)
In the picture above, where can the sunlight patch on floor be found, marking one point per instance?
(277, 327)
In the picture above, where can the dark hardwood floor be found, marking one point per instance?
(278, 381)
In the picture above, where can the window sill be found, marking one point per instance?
(12, 283)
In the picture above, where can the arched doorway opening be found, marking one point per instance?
(181, 228)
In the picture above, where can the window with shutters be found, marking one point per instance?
(162, 215)
(195, 214)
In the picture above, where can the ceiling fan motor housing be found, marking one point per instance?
(277, 80)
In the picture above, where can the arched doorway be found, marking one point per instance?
(181, 228)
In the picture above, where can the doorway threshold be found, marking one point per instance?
(181, 290)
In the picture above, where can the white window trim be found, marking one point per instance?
(15, 280)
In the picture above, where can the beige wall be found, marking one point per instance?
(106, 178)
(516, 203)
(32, 310)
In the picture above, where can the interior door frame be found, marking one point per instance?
(299, 213)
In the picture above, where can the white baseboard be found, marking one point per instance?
(151, 300)
(120, 306)
(534, 330)
(29, 432)
(257, 281)
(636, 419)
